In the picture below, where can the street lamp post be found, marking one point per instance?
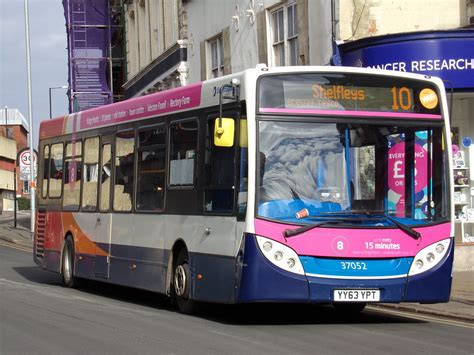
(30, 121)
(50, 102)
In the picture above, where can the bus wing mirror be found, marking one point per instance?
(224, 129)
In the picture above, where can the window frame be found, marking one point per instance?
(218, 70)
(234, 114)
(109, 139)
(166, 167)
(276, 42)
(44, 195)
(70, 157)
(96, 208)
(196, 159)
(113, 176)
(49, 174)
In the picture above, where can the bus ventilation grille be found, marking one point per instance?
(40, 231)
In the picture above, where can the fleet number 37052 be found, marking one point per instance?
(353, 265)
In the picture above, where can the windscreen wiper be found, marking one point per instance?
(411, 232)
(288, 233)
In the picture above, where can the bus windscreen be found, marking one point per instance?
(351, 94)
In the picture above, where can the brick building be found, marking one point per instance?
(14, 130)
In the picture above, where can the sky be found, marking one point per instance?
(48, 53)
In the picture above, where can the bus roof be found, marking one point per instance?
(180, 99)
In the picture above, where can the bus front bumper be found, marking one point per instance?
(261, 281)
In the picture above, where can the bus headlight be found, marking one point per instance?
(280, 255)
(429, 257)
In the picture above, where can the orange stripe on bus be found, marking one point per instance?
(82, 242)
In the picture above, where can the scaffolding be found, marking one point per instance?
(94, 40)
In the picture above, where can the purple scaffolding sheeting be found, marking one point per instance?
(89, 33)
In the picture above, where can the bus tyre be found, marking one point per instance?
(182, 284)
(350, 308)
(67, 264)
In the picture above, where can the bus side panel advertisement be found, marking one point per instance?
(146, 106)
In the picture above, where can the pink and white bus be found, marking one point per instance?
(290, 184)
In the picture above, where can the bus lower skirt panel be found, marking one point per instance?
(434, 285)
(261, 281)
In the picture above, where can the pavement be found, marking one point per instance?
(460, 307)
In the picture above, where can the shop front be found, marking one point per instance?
(450, 56)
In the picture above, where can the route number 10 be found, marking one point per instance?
(401, 98)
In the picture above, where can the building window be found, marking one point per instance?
(284, 34)
(216, 57)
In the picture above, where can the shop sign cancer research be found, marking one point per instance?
(448, 56)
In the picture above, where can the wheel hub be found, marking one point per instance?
(180, 280)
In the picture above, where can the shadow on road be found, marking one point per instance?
(294, 314)
(36, 275)
(242, 314)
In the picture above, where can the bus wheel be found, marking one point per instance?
(182, 284)
(350, 308)
(67, 267)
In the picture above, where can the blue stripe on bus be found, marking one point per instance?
(356, 268)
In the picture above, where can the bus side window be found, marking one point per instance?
(44, 183)
(72, 178)
(105, 172)
(124, 166)
(56, 170)
(219, 175)
(183, 142)
(90, 174)
(151, 169)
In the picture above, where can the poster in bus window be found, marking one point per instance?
(396, 179)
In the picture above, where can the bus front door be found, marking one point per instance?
(104, 216)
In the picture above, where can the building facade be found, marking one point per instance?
(154, 52)
(171, 42)
(13, 138)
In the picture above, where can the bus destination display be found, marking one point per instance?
(339, 92)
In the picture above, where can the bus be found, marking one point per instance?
(328, 185)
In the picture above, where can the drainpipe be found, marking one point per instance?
(183, 68)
